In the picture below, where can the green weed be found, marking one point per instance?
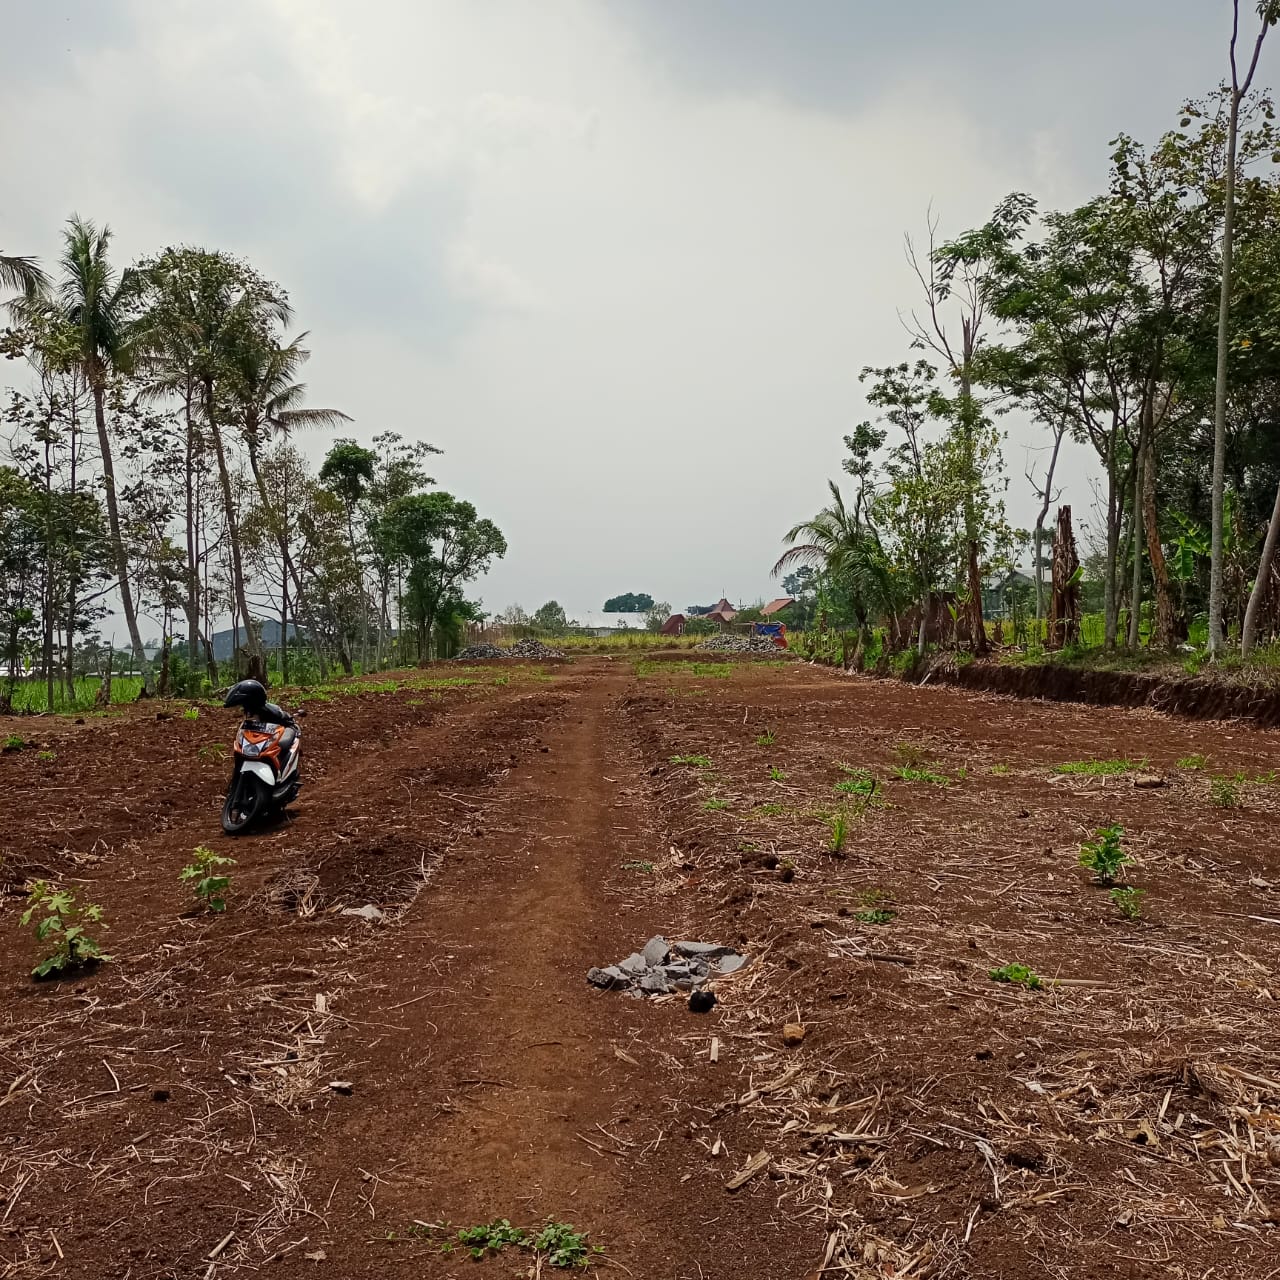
(63, 919)
(46, 757)
(712, 670)
(1128, 902)
(858, 783)
(211, 885)
(776, 774)
(1017, 974)
(714, 805)
(839, 833)
(645, 867)
(875, 915)
(14, 742)
(1223, 793)
(694, 762)
(766, 739)
(999, 770)
(491, 1237)
(212, 752)
(921, 773)
(191, 713)
(557, 1244)
(1193, 762)
(1097, 768)
(1104, 855)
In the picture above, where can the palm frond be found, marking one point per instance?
(22, 273)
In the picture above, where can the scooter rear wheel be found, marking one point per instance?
(246, 801)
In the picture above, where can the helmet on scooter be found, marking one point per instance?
(248, 694)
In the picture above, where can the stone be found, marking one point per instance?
(655, 983)
(607, 978)
(367, 912)
(708, 950)
(1148, 781)
(343, 1087)
(731, 963)
(793, 1034)
(656, 951)
(635, 964)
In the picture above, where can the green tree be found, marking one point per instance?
(94, 305)
(443, 544)
(551, 618)
(23, 274)
(629, 602)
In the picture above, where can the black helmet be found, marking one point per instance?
(248, 694)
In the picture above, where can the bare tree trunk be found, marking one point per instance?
(117, 539)
(1249, 632)
(1110, 593)
(1064, 596)
(1135, 599)
(1165, 632)
(256, 662)
(1238, 91)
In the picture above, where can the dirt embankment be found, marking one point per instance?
(1198, 698)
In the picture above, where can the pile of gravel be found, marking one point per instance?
(663, 967)
(522, 649)
(534, 649)
(739, 644)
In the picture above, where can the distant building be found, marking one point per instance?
(777, 606)
(723, 613)
(608, 624)
(674, 625)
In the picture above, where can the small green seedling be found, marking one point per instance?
(212, 752)
(776, 774)
(714, 805)
(1193, 762)
(694, 762)
(1104, 855)
(645, 867)
(63, 919)
(191, 713)
(875, 915)
(211, 885)
(46, 757)
(1128, 902)
(1017, 974)
(1223, 793)
(999, 770)
(491, 1237)
(766, 739)
(564, 1247)
(839, 833)
(771, 810)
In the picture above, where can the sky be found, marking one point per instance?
(622, 260)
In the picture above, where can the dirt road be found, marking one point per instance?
(173, 1114)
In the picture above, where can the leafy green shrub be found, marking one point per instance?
(1128, 902)
(1104, 855)
(14, 742)
(563, 1247)
(491, 1237)
(63, 919)
(211, 885)
(1017, 974)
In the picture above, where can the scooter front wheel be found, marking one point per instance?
(246, 800)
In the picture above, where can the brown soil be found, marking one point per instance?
(171, 1114)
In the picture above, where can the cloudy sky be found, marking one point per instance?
(621, 259)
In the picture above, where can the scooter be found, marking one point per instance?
(265, 775)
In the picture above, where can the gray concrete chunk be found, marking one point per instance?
(731, 963)
(656, 951)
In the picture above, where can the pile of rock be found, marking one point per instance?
(533, 649)
(479, 653)
(521, 650)
(663, 967)
(739, 644)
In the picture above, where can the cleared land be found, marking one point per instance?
(172, 1114)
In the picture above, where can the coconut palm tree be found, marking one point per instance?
(845, 547)
(94, 303)
(269, 401)
(22, 274)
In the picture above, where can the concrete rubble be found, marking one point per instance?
(663, 967)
